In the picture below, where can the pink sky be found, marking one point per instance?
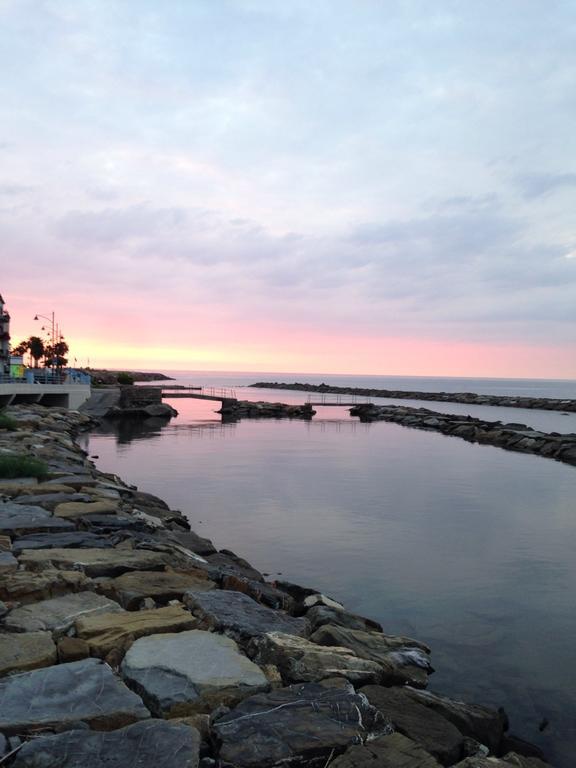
(323, 187)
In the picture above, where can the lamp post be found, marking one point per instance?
(53, 335)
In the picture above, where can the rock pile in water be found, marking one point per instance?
(468, 398)
(511, 436)
(128, 640)
(246, 409)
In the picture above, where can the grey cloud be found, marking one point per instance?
(534, 185)
(14, 190)
(117, 225)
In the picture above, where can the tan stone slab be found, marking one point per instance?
(13, 487)
(74, 509)
(130, 588)
(19, 653)
(46, 488)
(30, 587)
(5, 543)
(58, 614)
(105, 632)
(95, 562)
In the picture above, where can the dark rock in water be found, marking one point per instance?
(65, 539)
(298, 724)
(20, 518)
(421, 724)
(240, 617)
(150, 744)
(320, 615)
(227, 563)
(391, 751)
(68, 693)
(195, 671)
(260, 591)
(296, 591)
(192, 541)
(511, 743)
(403, 660)
(481, 723)
(300, 661)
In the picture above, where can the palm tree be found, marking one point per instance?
(34, 345)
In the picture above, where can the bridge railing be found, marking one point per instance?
(334, 398)
(224, 392)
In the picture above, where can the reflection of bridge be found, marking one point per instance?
(221, 394)
(347, 401)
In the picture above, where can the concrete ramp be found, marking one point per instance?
(100, 402)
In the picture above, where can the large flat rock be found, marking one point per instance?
(481, 723)
(30, 587)
(58, 614)
(84, 690)
(427, 728)
(391, 751)
(108, 631)
(300, 661)
(319, 615)
(296, 724)
(83, 539)
(21, 518)
(190, 672)
(403, 660)
(131, 588)
(95, 562)
(75, 509)
(51, 500)
(148, 744)
(19, 653)
(241, 617)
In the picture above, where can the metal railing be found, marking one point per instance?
(224, 392)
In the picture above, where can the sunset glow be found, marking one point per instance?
(322, 187)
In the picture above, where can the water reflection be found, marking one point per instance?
(465, 546)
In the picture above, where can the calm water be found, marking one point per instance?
(467, 547)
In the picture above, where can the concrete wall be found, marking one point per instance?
(62, 395)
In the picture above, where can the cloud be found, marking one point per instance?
(534, 185)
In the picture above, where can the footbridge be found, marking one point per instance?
(221, 394)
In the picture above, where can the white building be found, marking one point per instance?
(4, 340)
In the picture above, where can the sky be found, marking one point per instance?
(337, 186)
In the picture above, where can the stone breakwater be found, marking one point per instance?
(468, 398)
(127, 639)
(511, 436)
(246, 409)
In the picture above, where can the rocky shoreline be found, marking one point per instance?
(127, 639)
(468, 398)
(510, 436)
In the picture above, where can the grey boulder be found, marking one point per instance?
(20, 518)
(85, 691)
(148, 744)
(194, 671)
(297, 724)
(58, 614)
(403, 660)
(239, 616)
(300, 661)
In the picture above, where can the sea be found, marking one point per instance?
(467, 547)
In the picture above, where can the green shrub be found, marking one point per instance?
(15, 465)
(125, 378)
(7, 422)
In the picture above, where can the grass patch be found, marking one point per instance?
(14, 465)
(7, 422)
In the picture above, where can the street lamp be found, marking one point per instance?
(53, 334)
